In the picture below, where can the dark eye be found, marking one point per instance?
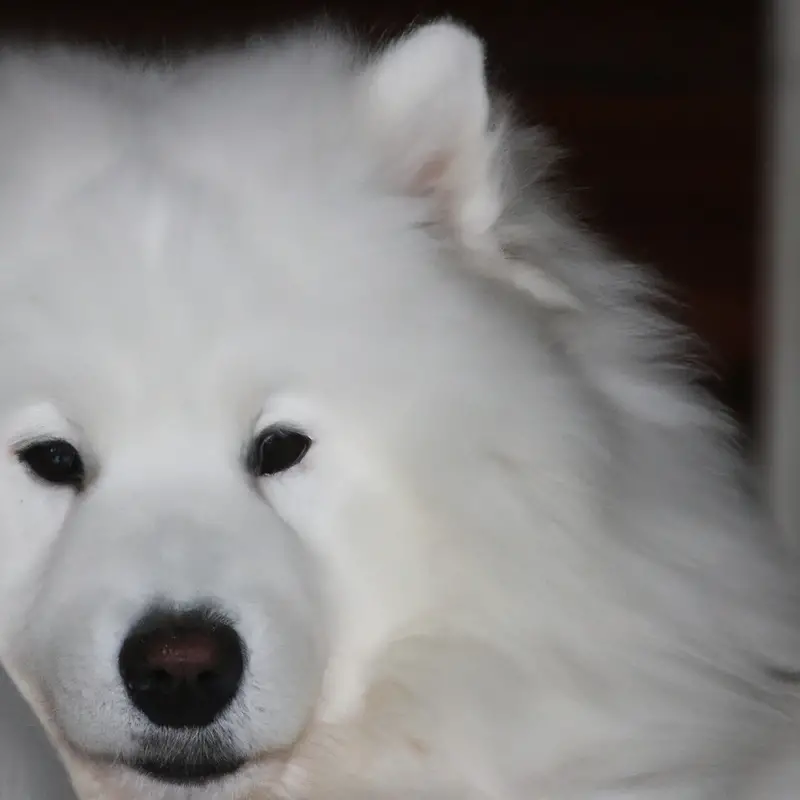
(55, 461)
(275, 450)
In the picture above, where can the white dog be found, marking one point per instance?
(339, 464)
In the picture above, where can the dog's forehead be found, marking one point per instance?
(238, 204)
(157, 293)
(175, 262)
(173, 250)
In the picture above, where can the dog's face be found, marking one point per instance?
(237, 412)
(201, 498)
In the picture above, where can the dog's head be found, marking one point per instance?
(262, 413)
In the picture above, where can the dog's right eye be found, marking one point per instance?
(277, 449)
(55, 461)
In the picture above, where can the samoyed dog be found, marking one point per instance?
(341, 464)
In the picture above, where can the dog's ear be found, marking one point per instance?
(429, 115)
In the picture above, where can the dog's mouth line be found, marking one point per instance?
(186, 772)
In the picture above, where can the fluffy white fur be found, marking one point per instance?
(520, 561)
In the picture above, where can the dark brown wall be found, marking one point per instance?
(659, 102)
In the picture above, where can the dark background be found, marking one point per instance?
(660, 103)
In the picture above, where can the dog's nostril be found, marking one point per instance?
(184, 653)
(182, 669)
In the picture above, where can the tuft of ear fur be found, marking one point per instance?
(429, 114)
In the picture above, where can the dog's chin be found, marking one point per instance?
(187, 773)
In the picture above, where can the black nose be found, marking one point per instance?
(182, 669)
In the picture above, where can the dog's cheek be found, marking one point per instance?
(31, 517)
(395, 747)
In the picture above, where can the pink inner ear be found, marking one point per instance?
(430, 176)
(431, 181)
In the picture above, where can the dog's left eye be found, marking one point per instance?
(55, 461)
(276, 449)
